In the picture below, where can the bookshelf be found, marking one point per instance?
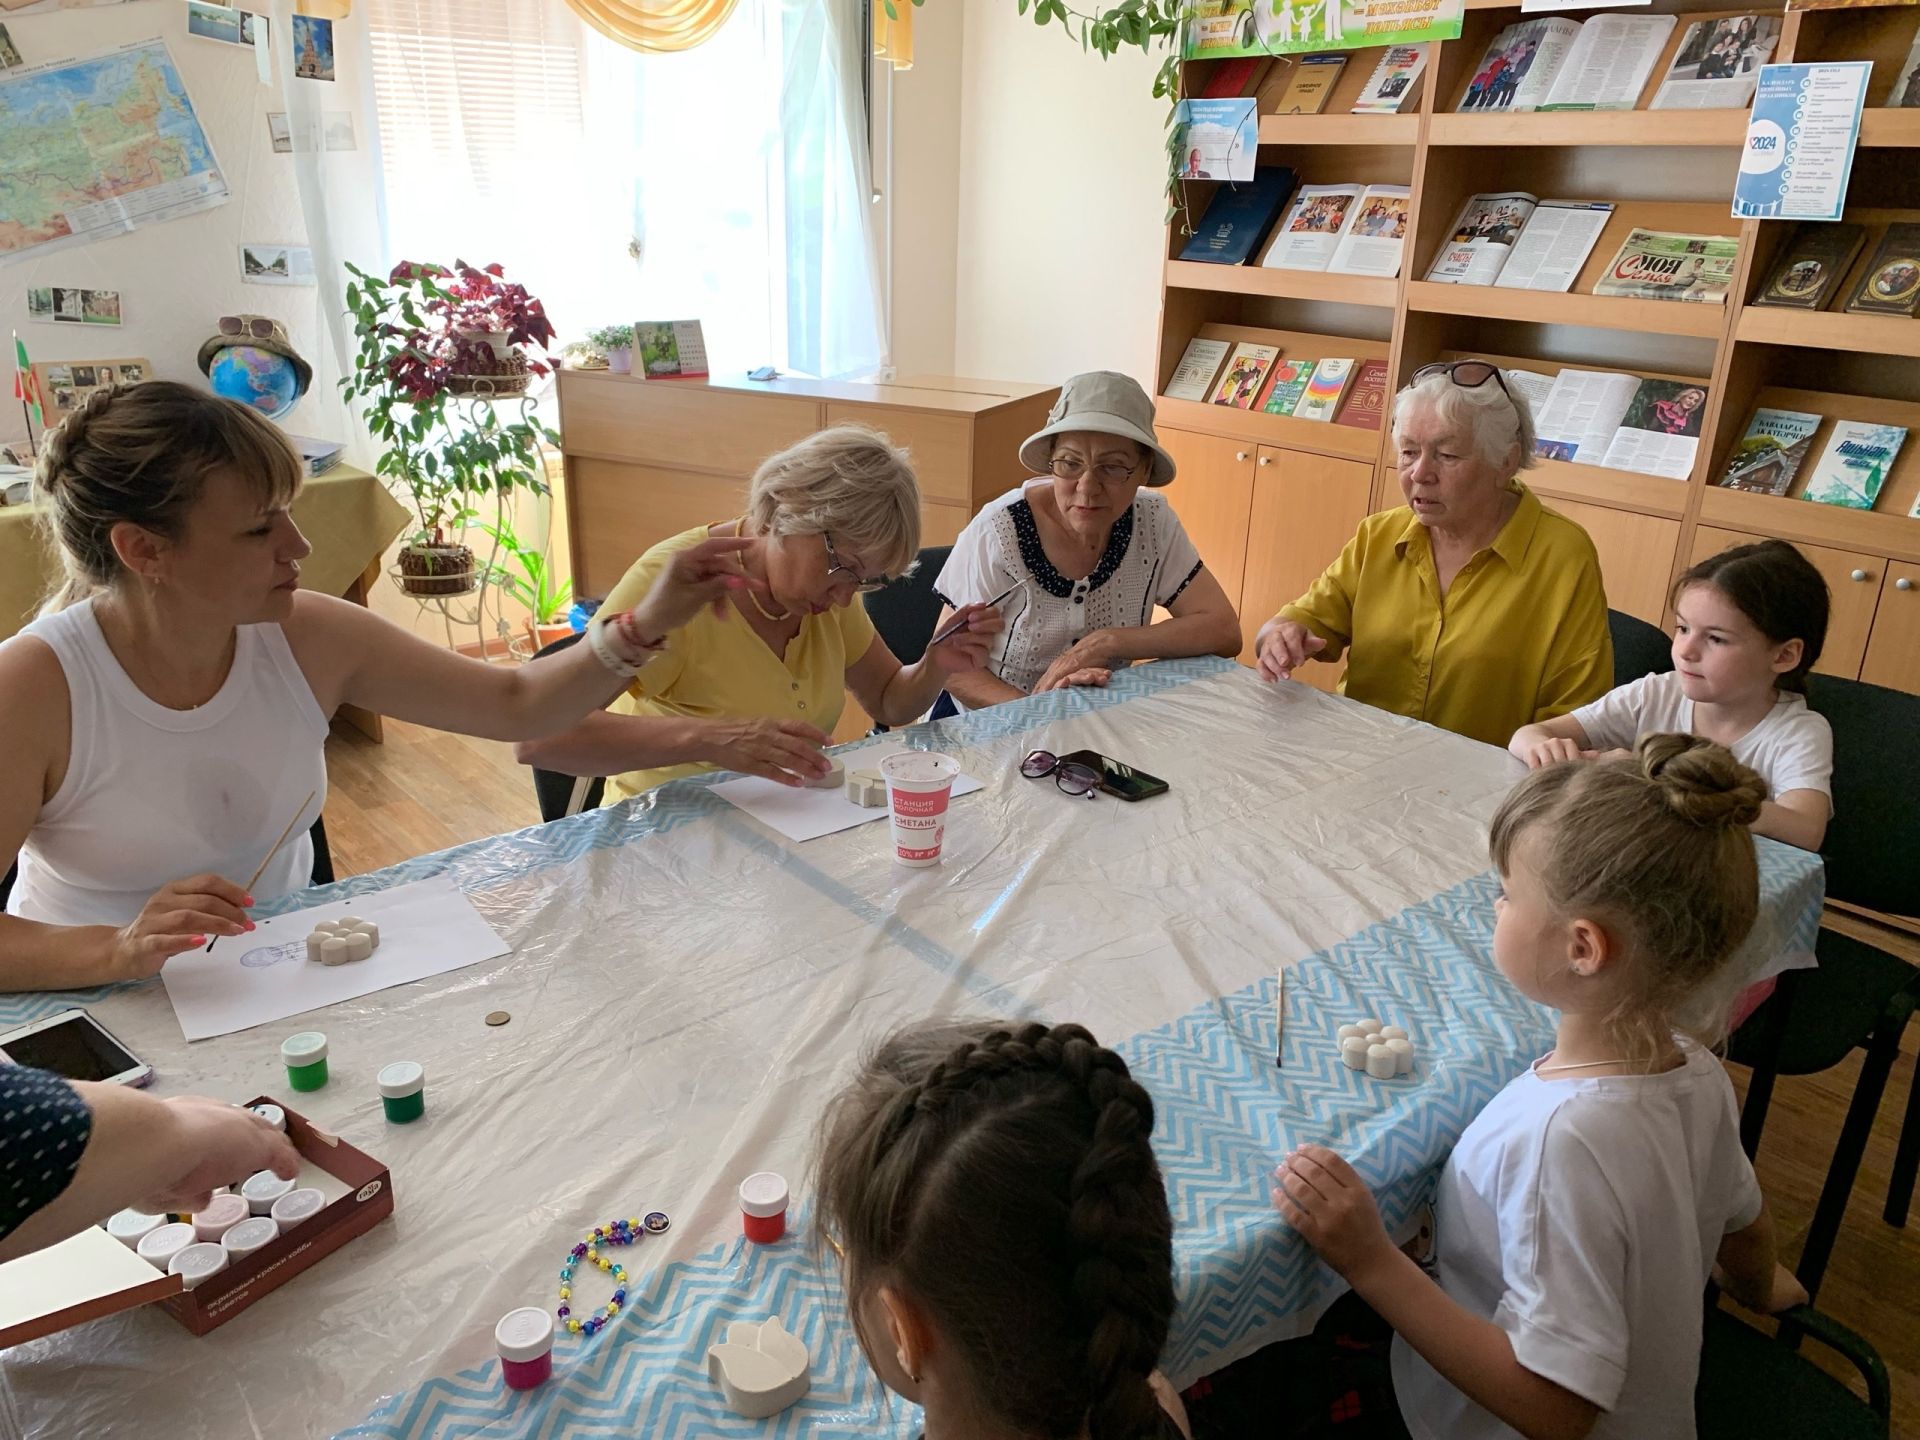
(1270, 500)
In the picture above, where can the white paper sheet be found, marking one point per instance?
(803, 814)
(1555, 244)
(426, 928)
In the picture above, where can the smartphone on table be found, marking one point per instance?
(1123, 782)
(73, 1045)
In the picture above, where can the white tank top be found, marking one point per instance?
(153, 795)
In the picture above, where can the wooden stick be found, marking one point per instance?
(1280, 1019)
(248, 887)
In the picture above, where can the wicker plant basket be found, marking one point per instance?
(437, 570)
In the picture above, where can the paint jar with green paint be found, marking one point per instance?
(305, 1056)
(403, 1091)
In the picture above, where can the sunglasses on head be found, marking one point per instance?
(1467, 374)
(1069, 775)
(258, 326)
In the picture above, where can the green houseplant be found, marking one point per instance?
(531, 581)
(429, 336)
(616, 343)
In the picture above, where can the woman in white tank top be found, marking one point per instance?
(164, 721)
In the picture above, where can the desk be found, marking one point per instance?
(347, 515)
(687, 989)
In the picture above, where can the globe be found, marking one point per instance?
(256, 377)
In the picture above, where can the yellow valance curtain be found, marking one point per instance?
(655, 25)
(893, 38)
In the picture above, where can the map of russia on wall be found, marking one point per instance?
(97, 147)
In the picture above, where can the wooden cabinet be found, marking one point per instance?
(1893, 649)
(1853, 582)
(1636, 555)
(1305, 510)
(1212, 493)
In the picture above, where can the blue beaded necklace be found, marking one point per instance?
(619, 1232)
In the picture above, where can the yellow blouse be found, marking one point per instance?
(1521, 635)
(717, 668)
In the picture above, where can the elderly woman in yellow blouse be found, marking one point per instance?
(1472, 606)
(757, 682)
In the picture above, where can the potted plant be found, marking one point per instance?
(425, 336)
(531, 582)
(616, 343)
(580, 355)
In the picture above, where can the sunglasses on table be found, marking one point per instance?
(258, 326)
(836, 569)
(1069, 775)
(1467, 374)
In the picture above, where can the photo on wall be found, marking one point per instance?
(9, 52)
(214, 22)
(270, 264)
(312, 48)
(72, 305)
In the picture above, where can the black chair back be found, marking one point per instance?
(1638, 648)
(1875, 834)
(563, 795)
(907, 610)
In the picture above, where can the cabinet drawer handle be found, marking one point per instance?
(1903, 583)
(1266, 459)
(1859, 574)
(1239, 454)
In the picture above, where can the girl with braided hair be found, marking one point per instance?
(1003, 1232)
(168, 710)
(1582, 1212)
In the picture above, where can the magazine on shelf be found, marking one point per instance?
(1290, 377)
(1518, 68)
(1395, 83)
(1583, 410)
(1237, 78)
(1718, 63)
(1308, 237)
(1608, 64)
(1660, 432)
(1377, 234)
(1218, 139)
(1193, 377)
(1661, 265)
(1554, 244)
(1366, 400)
(1813, 261)
(1891, 285)
(1239, 218)
(1905, 94)
(1329, 383)
(1534, 385)
(1245, 375)
(1482, 236)
(1310, 85)
(1771, 453)
(1855, 463)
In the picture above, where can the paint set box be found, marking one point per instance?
(93, 1274)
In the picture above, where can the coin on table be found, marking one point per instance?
(498, 1017)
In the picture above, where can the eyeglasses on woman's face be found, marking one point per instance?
(838, 570)
(1069, 775)
(1107, 472)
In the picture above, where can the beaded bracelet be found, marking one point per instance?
(619, 1232)
(629, 632)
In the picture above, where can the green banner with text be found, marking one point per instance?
(1224, 28)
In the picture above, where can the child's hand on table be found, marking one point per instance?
(1321, 1197)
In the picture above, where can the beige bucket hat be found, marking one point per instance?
(1105, 403)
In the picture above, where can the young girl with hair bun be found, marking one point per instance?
(1581, 1214)
(1003, 1232)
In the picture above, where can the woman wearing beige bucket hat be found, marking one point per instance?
(1093, 553)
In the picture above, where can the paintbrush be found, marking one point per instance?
(1280, 1021)
(248, 887)
(957, 626)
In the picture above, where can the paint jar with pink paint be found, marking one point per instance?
(525, 1340)
(919, 789)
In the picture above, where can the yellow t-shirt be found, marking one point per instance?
(1521, 636)
(716, 668)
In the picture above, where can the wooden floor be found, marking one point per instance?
(424, 791)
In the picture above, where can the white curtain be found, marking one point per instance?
(726, 184)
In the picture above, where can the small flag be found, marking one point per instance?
(25, 388)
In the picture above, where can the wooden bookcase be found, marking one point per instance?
(1270, 500)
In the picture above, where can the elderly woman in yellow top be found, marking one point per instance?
(756, 683)
(1472, 606)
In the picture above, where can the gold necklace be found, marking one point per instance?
(776, 616)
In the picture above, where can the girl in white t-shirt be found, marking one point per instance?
(1748, 625)
(1582, 1213)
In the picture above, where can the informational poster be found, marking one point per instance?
(1219, 139)
(1219, 28)
(1800, 141)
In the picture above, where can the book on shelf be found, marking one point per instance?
(1481, 238)
(1322, 398)
(1518, 68)
(1905, 94)
(669, 350)
(1608, 63)
(1660, 432)
(1855, 463)
(1533, 384)
(1193, 377)
(1395, 83)
(318, 456)
(1235, 79)
(1217, 139)
(1771, 453)
(1290, 377)
(1366, 400)
(1891, 285)
(1812, 262)
(1581, 414)
(1245, 374)
(1239, 218)
(1554, 244)
(1663, 265)
(1310, 84)
(1377, 234)
(1312, 231)
(1718, 63)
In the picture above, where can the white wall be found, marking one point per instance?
(1059, 184)
(924, 194)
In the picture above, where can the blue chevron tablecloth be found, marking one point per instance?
(687, 988)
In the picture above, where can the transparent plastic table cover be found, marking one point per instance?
(687, 989)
